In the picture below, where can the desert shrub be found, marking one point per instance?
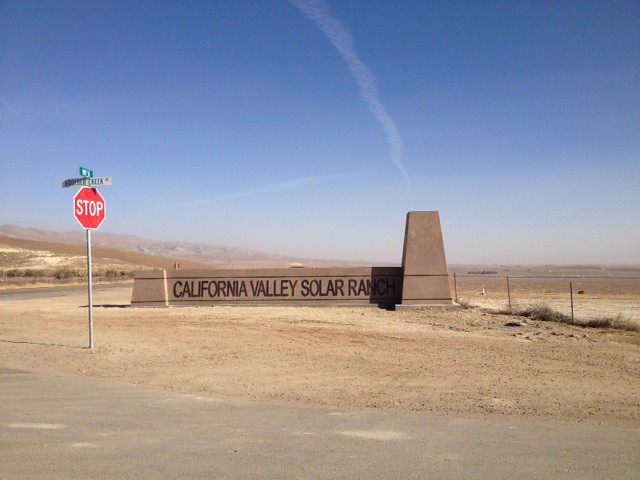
(65, 273)
(115, 274)
(597, 323)
(546, 314)
(33, 273)
(15, 273)
(618, 323)
(463, 303)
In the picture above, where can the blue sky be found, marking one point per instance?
(312, 128)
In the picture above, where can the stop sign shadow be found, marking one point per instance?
(89, 208)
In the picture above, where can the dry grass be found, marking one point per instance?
(464, 303)
(545, 313)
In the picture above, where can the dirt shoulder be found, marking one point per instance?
(458, 362)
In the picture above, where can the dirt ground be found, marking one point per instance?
(445, 361)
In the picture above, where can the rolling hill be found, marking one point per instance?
(136, 250)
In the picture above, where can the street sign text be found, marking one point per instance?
(87, 182)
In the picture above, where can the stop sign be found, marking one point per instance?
(89, 208)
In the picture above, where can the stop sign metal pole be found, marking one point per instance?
(90, 287)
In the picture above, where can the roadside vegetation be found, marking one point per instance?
(20, 277)
(544, 313)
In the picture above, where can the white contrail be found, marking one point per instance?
(318, 12)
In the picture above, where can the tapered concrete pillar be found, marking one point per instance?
(150, 289)
(425, 277)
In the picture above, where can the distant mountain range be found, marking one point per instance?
(191, 252)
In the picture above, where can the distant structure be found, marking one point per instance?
(422, 280)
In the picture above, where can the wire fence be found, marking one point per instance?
(574, 296)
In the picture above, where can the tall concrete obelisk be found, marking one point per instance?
(425, 277)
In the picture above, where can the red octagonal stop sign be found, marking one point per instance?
(89, 208)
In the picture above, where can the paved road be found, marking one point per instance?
(60, 427)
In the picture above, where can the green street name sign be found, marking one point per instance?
(85, 172)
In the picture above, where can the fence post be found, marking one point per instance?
(509, 294)
(571, 293)
(455, 287)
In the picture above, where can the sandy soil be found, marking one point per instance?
(458, 362)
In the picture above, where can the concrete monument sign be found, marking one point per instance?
(425, 276)
(421, 280)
